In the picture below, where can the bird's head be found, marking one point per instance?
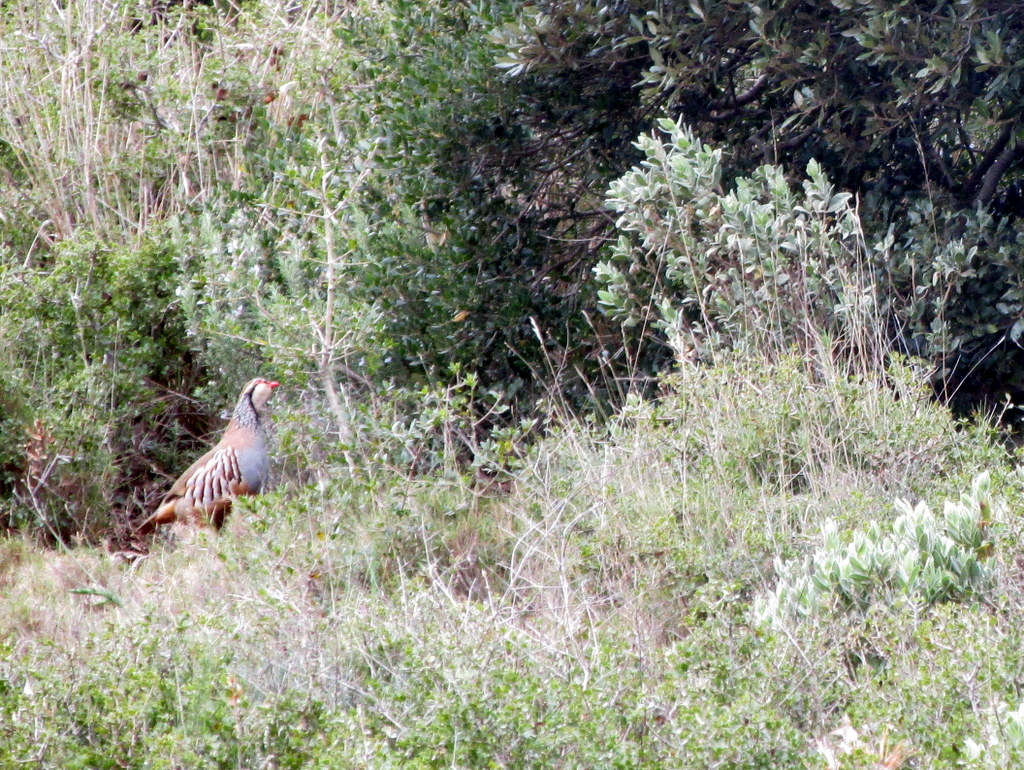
(259, 392)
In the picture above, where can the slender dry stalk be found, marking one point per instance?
(114, 117)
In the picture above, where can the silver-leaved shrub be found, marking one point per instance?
(920, 556)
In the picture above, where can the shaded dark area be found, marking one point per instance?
(915, 109)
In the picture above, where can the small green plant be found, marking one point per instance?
(923, 557)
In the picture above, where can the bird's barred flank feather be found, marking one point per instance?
(216, 480)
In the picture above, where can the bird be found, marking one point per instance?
(237, 465)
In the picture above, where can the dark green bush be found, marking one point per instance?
(916, 115)
(96, 343)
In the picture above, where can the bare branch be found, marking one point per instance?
(995, 172)
(977, 177)
(756, 89)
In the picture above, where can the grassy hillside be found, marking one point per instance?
(783, 553)
(608, 610)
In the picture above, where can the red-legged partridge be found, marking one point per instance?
(238, 465)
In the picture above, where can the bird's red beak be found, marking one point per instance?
(271, 384)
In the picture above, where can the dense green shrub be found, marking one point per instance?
(93, 342)
(154, 699)
(915, 114)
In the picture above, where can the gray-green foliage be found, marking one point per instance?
(955, 282)
(1000, 743)
(919, 556)
(749, 263)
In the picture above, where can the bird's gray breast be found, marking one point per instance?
(254, 466)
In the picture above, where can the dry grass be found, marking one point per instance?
(117, 117)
